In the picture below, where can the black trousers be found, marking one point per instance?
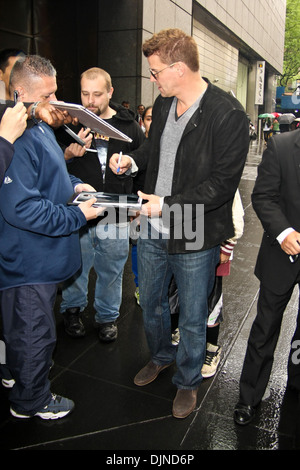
(29, 334)
(261, 347)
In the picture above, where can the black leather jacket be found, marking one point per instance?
(208, 165)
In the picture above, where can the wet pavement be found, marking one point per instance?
(114, 415)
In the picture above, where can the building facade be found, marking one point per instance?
(241, 43)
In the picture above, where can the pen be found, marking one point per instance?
(119, 161)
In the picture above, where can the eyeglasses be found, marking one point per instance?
(154, 74)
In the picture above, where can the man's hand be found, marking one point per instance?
(51, 115)
(89, 211)
(13, 122)
(122, 167)
(152, 207)
(84, 187)
(76, 150)
(291, 243)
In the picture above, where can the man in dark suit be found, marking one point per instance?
(276, 200)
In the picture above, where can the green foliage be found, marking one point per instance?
(291, 64)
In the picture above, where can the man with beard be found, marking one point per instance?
(104, 247)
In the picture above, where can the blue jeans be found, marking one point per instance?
(194, 275)
(105, 248)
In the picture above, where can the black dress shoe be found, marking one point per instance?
(73, 323)
(108, 332)
(243, 414)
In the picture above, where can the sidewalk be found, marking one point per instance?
(114, 415)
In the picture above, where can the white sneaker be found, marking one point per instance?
(212, 359)
(57, 408)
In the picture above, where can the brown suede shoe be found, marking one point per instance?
(149, 373)
(184, 403)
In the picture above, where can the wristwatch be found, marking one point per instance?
(32, 112)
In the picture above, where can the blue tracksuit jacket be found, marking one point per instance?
(39, 243)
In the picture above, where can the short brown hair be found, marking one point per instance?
(95, 72)
(173, 45)
(28, 68)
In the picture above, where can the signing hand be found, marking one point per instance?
(124, 165)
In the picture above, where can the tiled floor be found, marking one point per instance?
(114, 415)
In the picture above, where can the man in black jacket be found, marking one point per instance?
(195, 154)
(276, 201)
(104, 246)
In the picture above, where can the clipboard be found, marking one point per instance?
(121, 201)
(91, 120)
